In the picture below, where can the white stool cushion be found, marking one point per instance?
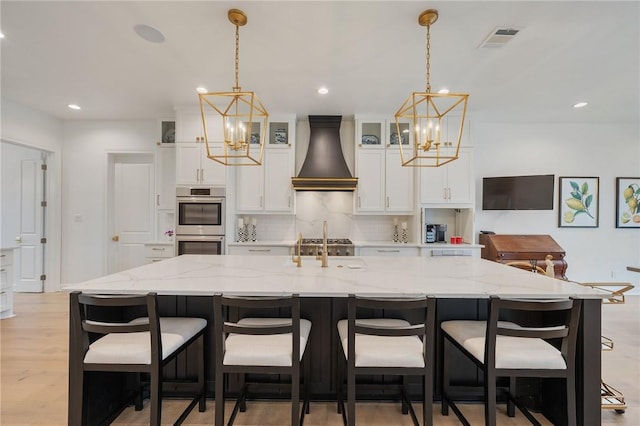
(273, 350)
(511, 352)
(383, 351)
(135, 348)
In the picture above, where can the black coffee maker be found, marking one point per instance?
(435, 233)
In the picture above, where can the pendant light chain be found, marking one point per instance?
(428, 59)
(237, 86)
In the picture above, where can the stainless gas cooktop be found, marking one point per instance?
(335, 247)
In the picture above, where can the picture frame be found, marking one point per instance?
(578, 202)
(627, 202)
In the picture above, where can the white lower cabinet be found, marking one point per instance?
(451, 250)
(155, 252)
(387, 251)
(6, 283)
(260, 250)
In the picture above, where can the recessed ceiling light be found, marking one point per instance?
(580, 104)
(323, 90)
(443, 91)
(74, 106)
(201, 89)
(1, 35)
(149, 33)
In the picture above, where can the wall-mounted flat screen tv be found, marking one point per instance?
(518, 192)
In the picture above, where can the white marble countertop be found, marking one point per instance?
(456, 277)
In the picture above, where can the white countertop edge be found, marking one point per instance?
(69, 289)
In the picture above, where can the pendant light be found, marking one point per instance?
(436, 119)
(244, 118)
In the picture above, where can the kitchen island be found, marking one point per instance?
(461, 285)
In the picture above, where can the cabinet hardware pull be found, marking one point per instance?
(201, 175)
(3, 255)
(266, 250)
(158, 200)
(2, 270)
(388, 251)
(157, 249)
(387, 201)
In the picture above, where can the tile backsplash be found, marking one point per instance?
(312, 208)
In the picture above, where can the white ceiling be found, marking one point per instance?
(370, 54)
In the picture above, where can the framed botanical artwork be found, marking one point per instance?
(578, 202)
(628, 202)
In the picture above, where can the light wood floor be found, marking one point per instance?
(33, 385)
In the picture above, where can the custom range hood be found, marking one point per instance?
(324, 167)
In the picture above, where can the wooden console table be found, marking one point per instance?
(529, 248)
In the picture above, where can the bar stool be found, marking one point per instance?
(507, 349)
(260, 345)
(389, 346)
(142, 345)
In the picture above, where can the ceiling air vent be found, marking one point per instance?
(499, 37)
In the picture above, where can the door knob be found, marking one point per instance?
(115, 238)
(18, 239)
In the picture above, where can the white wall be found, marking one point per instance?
(606, 151)
(24, 126)
(86, 148)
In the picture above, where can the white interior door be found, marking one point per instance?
(133, 218)
(22, 219)
(30, 247)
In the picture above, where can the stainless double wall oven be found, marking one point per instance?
(200, 220)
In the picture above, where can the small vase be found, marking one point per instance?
(395, 234)
(405, 237)
(245, 233)
(253, 233)
(240, 235)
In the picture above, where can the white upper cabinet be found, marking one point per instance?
(189, 127)
(384, 186)
(452, 184)
(192, 165)
(166, 176)
(267, 188)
